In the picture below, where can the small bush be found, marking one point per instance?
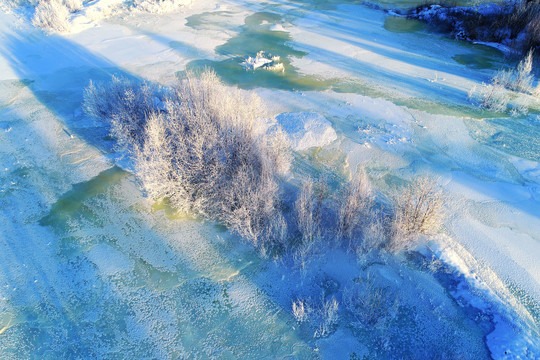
(355, 203)
(125, 104)
(308, 214)
(418, 211)
(202, 146)
(54, 14)
(367, 303)
(307, 210)
(523, 79)
(323, 318)
(275, 236)
(519, 80)
(375, 233)
(300, 310)
(329, 317)
(536, 91)
(159, 6)
(73, 5)
(496, 97)
(490, 97)
(51, 15)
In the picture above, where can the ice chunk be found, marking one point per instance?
(277, 27)
(276, 67)
(263, 60)
(307, 130)
(256, 62)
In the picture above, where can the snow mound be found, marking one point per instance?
(306, 130)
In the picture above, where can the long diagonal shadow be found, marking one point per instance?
(57, 71)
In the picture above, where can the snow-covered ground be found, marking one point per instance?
(89, 268)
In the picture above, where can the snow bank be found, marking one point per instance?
(65, 17)
(504, 342)
(97, 10)
(511, 336)
(160, 6)
(100, 9)
(485, 19)
(306, 130)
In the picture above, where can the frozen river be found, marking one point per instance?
(91, 269)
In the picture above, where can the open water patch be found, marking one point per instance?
(73, 201)
(399, 24)
(262, 31)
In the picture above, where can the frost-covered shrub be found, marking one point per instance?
(519, 80)
(300, 310)
(523, 79)
(153, 157)
(490, 97)
(307, 210)
(73, 5)
(54, 14)
(329, 317)
(159, 6)
(418, 210)
(366, 303)
(201, 145)
(322, 318)
(374, 233)
(228, 163)
(307, 224)
(536, 91)
(125, 104)
(496, 95)
(51, 15)
(275, 238)
(355, 203)
(308, 215)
